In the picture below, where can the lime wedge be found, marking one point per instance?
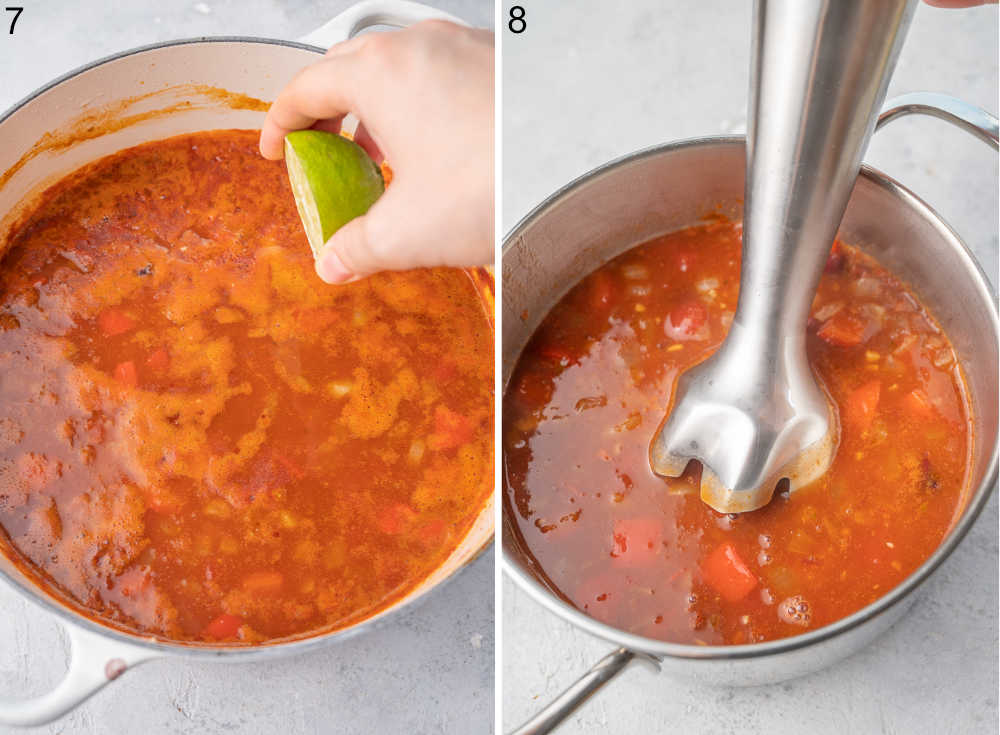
(333, 181)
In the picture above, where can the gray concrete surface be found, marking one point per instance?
(430, 671)
(591, 81)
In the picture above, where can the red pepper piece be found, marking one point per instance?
(862, 403)
(114, 321)
(728, 574)
(224, 626)
(126, 374)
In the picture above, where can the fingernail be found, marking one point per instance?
(331, 269)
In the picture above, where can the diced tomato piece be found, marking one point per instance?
(843, 329)
(263, 582)
(637, 541)
(862, 403)
(728, 574)
(395, 518)
(918, 405)
(602, 291)
(451, 429)
(224, 626)
(126, 374)
(115, 321)
(159, 359)
(687, 321)
(556, 353)
(433, 533)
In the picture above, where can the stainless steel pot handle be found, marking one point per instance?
(399, 13)
(94, 661)
(968, 117)
(582, 689)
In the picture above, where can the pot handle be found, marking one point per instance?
(94, 661)
(968, 117)
(399, 13)
(556, 711)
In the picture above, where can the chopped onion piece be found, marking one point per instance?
(635, 272)
(827, 310)
(867, 287)
(706, 285)
(905, 344)
(943, 358)
(338, 388)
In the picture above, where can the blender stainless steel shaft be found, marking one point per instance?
(753, 414)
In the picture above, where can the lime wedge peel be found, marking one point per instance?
(333, 181)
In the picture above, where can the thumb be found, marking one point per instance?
(370, 243)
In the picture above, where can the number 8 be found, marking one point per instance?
(517, 23)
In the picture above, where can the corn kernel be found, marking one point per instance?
(217, 508)
(338, 388)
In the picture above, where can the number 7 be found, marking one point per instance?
(17, 14)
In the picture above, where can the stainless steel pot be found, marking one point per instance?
(147, 94)
(662, 189)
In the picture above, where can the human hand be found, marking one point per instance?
(424, 96)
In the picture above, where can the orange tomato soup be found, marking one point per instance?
(200, 440)
(645, 554)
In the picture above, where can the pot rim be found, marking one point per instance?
(67, 615)
(152, 47)
(903, 590)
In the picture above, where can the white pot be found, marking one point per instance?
(43, 139)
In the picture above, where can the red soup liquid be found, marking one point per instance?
(645, 554)
(201, 441)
